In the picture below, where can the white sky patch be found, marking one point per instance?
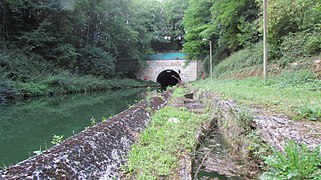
(68, 4)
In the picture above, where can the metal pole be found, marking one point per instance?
(211, 59)
(265, 45)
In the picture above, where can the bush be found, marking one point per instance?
(21, 66)
(286, 16)
(96, 61)
(298, 78)
(31, 88)
(298, 45)
(241, 59)
(297, 162)
(6, 87)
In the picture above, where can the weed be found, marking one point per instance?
(257, 146)
(245, 117)
(93, 121)
(57, 139)
(148, 99)
(103, 119)
(298, 162)
(312, 113)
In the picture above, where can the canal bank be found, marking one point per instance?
(233, 142)
(29, 125)
(183, 140)
(96, 152)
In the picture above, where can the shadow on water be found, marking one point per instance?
(27, 126)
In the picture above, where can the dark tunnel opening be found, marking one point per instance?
(168, 78)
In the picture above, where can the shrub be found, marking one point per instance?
(298, 45)
(31, 88)
(300, 77)
(6, 87)
(97, 62)
(21, 66)
(241, 59)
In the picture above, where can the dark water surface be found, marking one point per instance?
(215, 142)
(28, 125)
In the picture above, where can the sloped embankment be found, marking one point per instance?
(97, 152)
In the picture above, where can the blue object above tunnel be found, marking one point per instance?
(165, 56)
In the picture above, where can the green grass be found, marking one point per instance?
(156, 154)
(179, 92)
(293, 93)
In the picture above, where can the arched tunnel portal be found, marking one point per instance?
(168, 78)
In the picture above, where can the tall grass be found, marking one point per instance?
(293, 93)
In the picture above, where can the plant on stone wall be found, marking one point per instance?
(93, 121)
(57, 139)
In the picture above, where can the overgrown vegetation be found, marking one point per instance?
(65, 83)
(161, 143)
(297, 162)
(258, 148)
(293, 93)
(294, 31)
(54, 46)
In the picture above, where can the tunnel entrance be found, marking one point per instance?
(168, 78)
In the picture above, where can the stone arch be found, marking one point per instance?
(168, 77)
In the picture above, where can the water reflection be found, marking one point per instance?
(29, 125)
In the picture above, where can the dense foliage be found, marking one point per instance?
(294, 28)
(44, 38)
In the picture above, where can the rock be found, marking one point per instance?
(189, 96)
(173, 120)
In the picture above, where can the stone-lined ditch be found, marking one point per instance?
(236, 124)
(217, 154)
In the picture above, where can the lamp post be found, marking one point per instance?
(211, 59)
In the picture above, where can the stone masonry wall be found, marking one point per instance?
(154, 67)
(95, 153)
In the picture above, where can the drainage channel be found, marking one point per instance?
(214, 158)
(210, 157)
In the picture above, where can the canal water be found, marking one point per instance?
(29, 125)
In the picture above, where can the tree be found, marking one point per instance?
(196, 20)
(228, 24)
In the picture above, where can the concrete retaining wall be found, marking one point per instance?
(155, 67)
(152, 68)
(95, 153)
